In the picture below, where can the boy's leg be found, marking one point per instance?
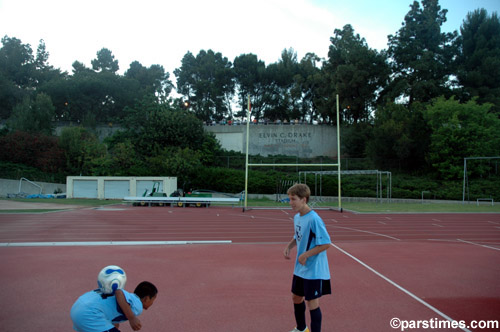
(316, 316)
(299, 307)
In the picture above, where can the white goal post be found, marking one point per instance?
(466, 177)
(247, 164)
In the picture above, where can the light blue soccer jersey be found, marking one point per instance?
(93, 312)
(310, 231)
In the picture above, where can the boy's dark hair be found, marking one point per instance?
(300, 190)
(144, 289)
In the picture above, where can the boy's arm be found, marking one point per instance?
(314, 251)
(289, 247)
(135, 323)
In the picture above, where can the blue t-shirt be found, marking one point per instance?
(95, 312)
(310, 231)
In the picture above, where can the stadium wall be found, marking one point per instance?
(301, 140)
(298, 140)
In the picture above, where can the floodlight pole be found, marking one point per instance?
(338, 153)
(246, 157)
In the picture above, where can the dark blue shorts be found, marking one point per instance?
(310, 289)
(114, 329)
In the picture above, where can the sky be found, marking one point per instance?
(162, 32)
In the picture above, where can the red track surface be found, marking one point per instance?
(413, 267)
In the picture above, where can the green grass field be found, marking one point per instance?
(362, 207)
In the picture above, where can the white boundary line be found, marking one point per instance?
(107, 243)
(477, 244)
(358, 230)
(398, 287)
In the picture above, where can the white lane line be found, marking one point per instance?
(478, 244)
(381, 222)
(358, 230)
(437, 225)
(398, 286)
(106, 243)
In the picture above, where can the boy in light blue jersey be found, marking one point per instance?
(98, 312)
(311, 276)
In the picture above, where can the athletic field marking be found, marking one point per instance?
(388, 218)
(437, 225)
(398, 286)
(492, 222)
(258, 217)
(285, 212)
(480, 245)
(358, 230)
(441, 240)
(334, 220)
(381, 222)
(436, 220)
(107, 243)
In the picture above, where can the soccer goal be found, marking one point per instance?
(335, 165)
(478, 167)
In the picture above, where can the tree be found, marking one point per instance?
(421, 55)
(249, 75)
(44, 72)
(306, 88)
(88, 97)
(460, 131)
(82, 149)
(207, 83)
(105, 61)
(479, 58)
(400, 137)
(355, 72)
(154, 126)
(33, 116)
(32, 149)
(16, 73)
(279, 98)
(152, 80)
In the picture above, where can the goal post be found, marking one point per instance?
(337, 165)
(465, 189)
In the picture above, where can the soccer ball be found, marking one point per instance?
(111, 278)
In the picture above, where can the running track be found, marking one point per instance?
(409, 266)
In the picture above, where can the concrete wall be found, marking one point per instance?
(298, 140)
(303, 141)
(12, 187)
(101, 130)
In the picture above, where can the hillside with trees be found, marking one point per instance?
(417, 108)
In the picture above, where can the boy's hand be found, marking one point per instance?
(303, 258)
(135, 324)
(286, 253)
